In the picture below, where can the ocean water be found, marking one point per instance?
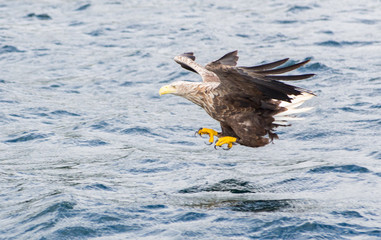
(88, 149)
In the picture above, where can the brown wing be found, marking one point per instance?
(257, 81)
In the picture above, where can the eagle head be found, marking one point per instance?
(180, 88)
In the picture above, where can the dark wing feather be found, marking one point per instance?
(229, 59)
(266, 71)
(284, 69)
(189, 55)
(266, 66)
(289, 77)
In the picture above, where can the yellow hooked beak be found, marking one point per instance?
(167, 89)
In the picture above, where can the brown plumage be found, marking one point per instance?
(249, 102)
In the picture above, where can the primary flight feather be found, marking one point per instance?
(249, 102)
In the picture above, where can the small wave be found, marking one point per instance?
(375, 154)
(227, 185)
(102, 218)
(27, 137)
(96, 33)
(348, 214)
(63, 208)
(242, 35)
(100, 125)
(9, 49)
(329, 43)
(127, 84)
(184, 143)
(138, 131)
(316, 230)
(55, 85)
(286, 21)
(340, 169)
(83, 7)
(315, 67)
(297, 8)
(80, 232)
(98, 186)
(368, 21)
(74, 232)
(332, 43)
(349, 109)
(64, 113)
(150, 170)
(260, 205)
(92, 143)
(318, 134)
(376, 106)
(76, 23)
(7, 101)
(42, 16)
(158, 206)
(328, 32)
(256, 205)
(190, 216)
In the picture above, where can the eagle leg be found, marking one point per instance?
(225, 140)
(208, 131)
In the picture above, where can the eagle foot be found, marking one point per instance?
(210, 132)
(225, 140)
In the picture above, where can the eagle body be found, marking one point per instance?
(249, 102)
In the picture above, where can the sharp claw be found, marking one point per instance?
(198, 132)
(226, 149)
(206, 131)
(230, 141)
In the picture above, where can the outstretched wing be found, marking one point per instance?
(186, 60)
(258, 81)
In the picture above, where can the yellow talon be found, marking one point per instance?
(226, 140)
(208, 131)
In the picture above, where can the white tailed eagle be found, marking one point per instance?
(249, 102)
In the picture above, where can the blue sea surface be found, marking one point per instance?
(88, 149)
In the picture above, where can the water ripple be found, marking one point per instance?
(27, 137)
(260, 205)
(227, 185)
(340, 169)
(83, 7)
(297, 8)
(9, 49)
(190, 216)
(332, 43)
(42, 16)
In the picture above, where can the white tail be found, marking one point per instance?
(282, 117)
